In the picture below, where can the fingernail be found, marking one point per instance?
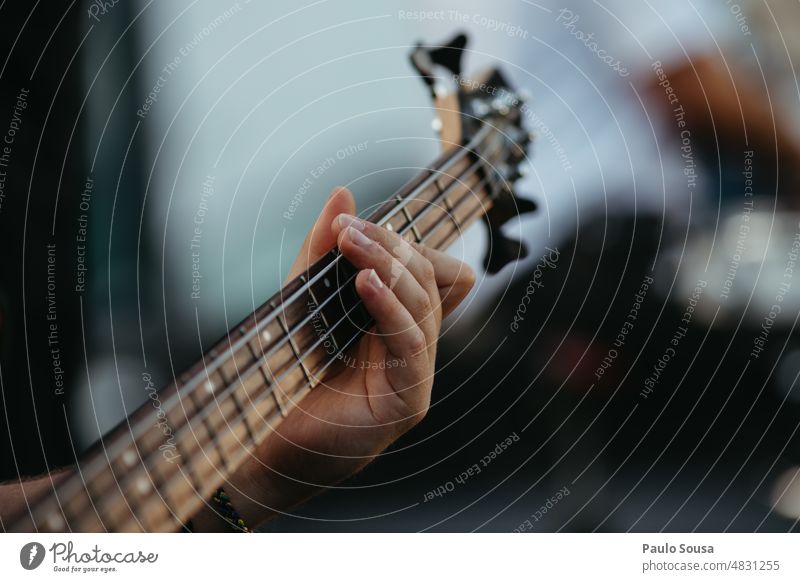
(374, 280)
(346, 220)
(358, 238)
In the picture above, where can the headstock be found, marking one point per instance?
(463, 106)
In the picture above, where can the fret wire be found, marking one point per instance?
(410, 220)
(318, 310)
(263, 322)
(202, 454)
(238, 404)
(84, 487)
(461, 201)
(227, 385)
(457, 181)
(330, 330)
(271, 391)
(321, 314)
(300, 357)
(484, 132)
(242, 416)
(181, 430)
(459, 228)
(200, 418)
(116, 480)
(204, 420)
(179, 477)
(295, 350)
(85, 491)
(192, 460)
(357, 335)
(321, 340)
(487, 181)
(221, 358)
(447, 204)
(194, 478)
(202, 447)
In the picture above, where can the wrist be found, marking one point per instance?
(245, 495)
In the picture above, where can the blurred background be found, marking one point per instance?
(651, 381)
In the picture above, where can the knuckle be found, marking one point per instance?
(422, 303)
(370, 229)
(401, 249)
(376, 233)
(417, 416)
(417, 343)
(341, 239)
(427, 271)
(468, 277)
(394, 270)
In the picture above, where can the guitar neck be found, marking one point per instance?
(154, 471)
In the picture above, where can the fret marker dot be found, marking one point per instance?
(266, 336)
(389, 227)
(209, 387)
(129, 458)
(55, 522)
(143, 485)
(327, 282)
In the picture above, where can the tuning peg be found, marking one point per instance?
(426, 58)
(502, 250)
(479, 108)
(449, 55)
(525, 205)
(500, 106)
(510, 172)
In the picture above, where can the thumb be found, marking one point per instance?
(321, 239)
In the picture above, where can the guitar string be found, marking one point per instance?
(266, 392)
(230, 389)
(252, 367)
(285, 340)
(234, 346)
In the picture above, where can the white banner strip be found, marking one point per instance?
(400, 557)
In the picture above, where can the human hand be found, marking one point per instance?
(358, 410)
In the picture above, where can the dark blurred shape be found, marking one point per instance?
(45, 158)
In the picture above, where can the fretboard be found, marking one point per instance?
(154, 471)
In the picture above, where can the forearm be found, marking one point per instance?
(275, 480)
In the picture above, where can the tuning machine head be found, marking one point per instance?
(426, 58)
(464, 107)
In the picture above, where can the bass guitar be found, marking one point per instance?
(242, 388)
